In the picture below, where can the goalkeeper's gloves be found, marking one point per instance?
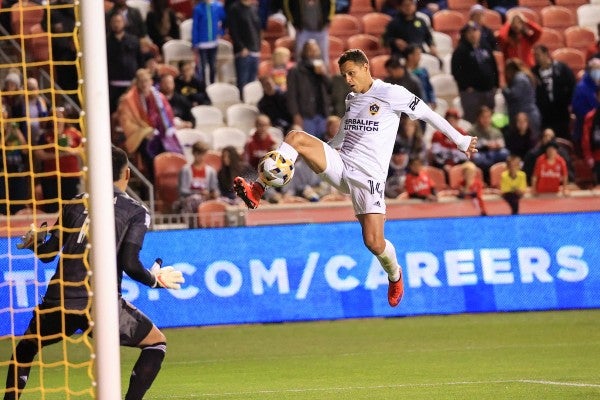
(167, 277)
(34, 237)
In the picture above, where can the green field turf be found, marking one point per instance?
(542, 355)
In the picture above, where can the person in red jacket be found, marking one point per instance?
(418, 184)
(517, 37)
(590, 140)
(260, 143)
(550, 172)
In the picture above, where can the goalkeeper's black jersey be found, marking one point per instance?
(71, 277)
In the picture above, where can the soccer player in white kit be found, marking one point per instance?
(356, 160)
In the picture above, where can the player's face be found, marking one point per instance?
(357, 76)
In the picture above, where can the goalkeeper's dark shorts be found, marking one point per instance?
(47, 323)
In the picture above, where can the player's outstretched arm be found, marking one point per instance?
(156, 276)
(466, 144)
(166, 277)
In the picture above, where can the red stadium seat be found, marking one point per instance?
(496, 174)
(375, 23)
(527, 12)
(551, 38)
(212, 214)
(449, 22)
(166, 179)
(572, 57)
(276, 28)
(437, 175)
(370, 44)
(343, 26)
(557, 17)
(579, 38)
(336, 47)
(377, 65)
(492, 19)
(535, 5)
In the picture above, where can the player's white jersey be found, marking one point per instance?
(369, 127)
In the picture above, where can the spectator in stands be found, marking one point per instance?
(590, 140)
(31, 108)
(418, 184)
(339, 92)
(232, 165)
(396, 177)
(488, 39)
(519, 139)
(502, 6)
(189, 86)
(147, 121)
(550, 172)
(532, 155)
(554, 91)
(12, 83)
(407, 28)
(311, 20)
(13, 160)
(281, 64)
(430, 7)
(123, 51)
(208, 22)
(274, 104)
(513, 183)
(182, 109)
(61, 23)
(161, 22)
(389, 7)
(398, 74)
(444, 153)
(584, 97)
(308, 95)
(471, 187)
(260, 143)
(491, 147)
(517, 37)
(333, 127)
(519, 94)
(413, 59)
(244, 28)
(60, 178)
(475, 71)
(197, 182)
(134, 22)
(306, 183)
(410, 137)
(152, 65)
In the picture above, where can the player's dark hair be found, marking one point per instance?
(357, 56)
(119, 161)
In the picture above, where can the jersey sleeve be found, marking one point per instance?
(137, 228)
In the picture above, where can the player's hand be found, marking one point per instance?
(472, 147)
(167, 277)
(35, 236)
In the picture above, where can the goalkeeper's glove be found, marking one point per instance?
(167, 277)
(34, 237)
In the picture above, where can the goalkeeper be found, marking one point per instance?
(67, 301)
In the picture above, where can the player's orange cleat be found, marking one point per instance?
(250, 192)
(396, 291)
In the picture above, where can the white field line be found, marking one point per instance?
(401, 385)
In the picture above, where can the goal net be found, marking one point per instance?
(41, 168)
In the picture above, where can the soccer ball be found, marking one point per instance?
(275, 170)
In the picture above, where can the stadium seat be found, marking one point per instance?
(212, 214)
(185, 29)
(551, 38)
(213, 158)
(142, 5)
(24, 15)
(443, 43)
(207, 118)
(252, 92)
(377, 65)
(222, 95)
(492, 19)
(496, 174)
(276, 28)
(571, 4)
(167, 166)
(287, 42)
(574, 58)
(535, 5)
(360, 8)
(579, 38)
(167, 69)
(39, 44)
(567, 146)
(367, 43)
(444, 87)
(336, 47)
(264, 69)
(374, 23)
(437, 175)
(455, 176)
(527, 12)
(462, 6)
(343, 26)
(188, 136)
(557, 17)
(176, 50)
(449, 22)
(431, 64)
(225, 66)
(265, 50)
(229, 136)
(242, 116)
(588, 15)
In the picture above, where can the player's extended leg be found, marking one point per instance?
(296, 143)
(383, 249)
(147, 366)
(19, 367)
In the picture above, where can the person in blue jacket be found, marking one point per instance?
(208, 23)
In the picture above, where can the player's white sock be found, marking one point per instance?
(389, 262)
(288, 152)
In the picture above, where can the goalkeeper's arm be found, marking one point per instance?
(156, 277)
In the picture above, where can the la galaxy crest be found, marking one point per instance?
(373, 108)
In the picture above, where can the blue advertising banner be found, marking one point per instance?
(309, 272)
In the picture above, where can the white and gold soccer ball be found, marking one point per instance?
(275, 170)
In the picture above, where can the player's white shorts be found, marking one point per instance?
(367, 195)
